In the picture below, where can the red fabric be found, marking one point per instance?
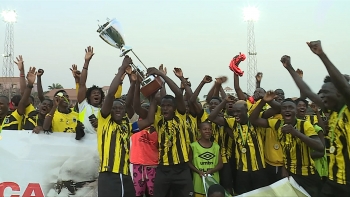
(11, 107)
(235, 63)
(251, 100)
(144, 148)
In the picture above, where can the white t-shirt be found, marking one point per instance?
(87, 110)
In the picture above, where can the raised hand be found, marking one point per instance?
(128, 70)
(40, 72)
(269, 96)
(163, 69)
(133, 76)
(126, 62)
(207, 79)
(89, 52)
(31, 76)
(286, 61)
(153, 71)
(19, 62)
(75, 72)
(300, 73)
(315, 47)
(259, 76)
(221, 80)
(178, 72)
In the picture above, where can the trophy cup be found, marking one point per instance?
(111, 33)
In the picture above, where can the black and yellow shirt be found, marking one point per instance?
(62, 122)
(114, 144)
(172, 140)
(247, 137)
(221, 138)
(32, 121)
(13, 121)
(296, 154)
(339, 161)
(251, 106)
(273, 155)
(192, 128)
(312, 119)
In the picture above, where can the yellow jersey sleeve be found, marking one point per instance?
(204, 116)
(77, 88)
(309, 129)
(317, 128)
(272, 123)
(29, 109)
(230, 122)
(118, 94)
(13, 121)
(157, 116)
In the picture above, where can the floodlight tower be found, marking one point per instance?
(251, 15)
(9, 17)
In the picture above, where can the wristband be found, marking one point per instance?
(21, 75)
(48, 115)
(85, 68)
(30, 86)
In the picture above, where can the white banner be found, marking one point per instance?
(38, 165)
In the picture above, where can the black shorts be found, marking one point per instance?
(174, 179)
(311, 183)
(273, 173)
(248, 181)
(226, 179)
(331, 188)
(115, 185)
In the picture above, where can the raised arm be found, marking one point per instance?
(137, 103)
(40, 85)
(210, 94)
(239, 92)
(130, 96)
(214, 115)
(31, 76)
(254, 116)
(258, 78)
(89, 52)
(300, 83)
(301, 75)
(144, 123)
(76, 75)
(193, 99)
(163, 89)
(22, 79)
(108, 103)
(222, 93)
(338, 79)
(180, 103)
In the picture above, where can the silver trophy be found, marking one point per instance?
(111, 32)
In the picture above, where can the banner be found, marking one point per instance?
(283, 188)
(38, 165)
(209, 181)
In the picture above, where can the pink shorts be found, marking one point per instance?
(143, 177)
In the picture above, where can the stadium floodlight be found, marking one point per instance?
(251, 14)
(9, 16)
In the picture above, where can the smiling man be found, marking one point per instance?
(296, 137)
(249, 151)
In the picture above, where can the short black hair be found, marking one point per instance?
(279, 89)
(302, 100)
(288, 100)
(5, 97)
(63, 91)
(216, 188)
(50, 101)
(170, 98)
(328, 79)
(203, 123)
(92, 88)
(217, 98)
(119, 100)
(16, 99)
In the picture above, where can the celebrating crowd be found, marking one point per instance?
(244, 142)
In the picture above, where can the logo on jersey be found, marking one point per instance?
(207, 156)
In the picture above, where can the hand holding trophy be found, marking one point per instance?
(111, 32)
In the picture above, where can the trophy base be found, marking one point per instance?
(150, 85)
